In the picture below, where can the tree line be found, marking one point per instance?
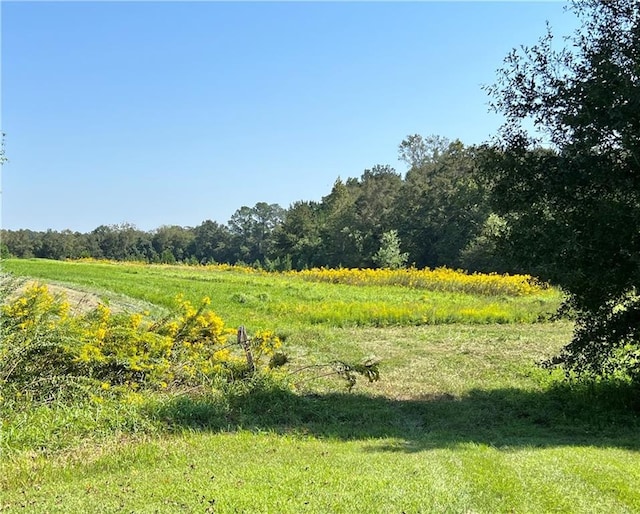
(435, 214)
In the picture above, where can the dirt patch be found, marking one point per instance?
(80, 301)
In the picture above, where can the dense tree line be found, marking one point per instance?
(436, 214)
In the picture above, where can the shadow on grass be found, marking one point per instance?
(605, 415)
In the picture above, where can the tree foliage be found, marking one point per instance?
(211, 243)
(298, 236)
(437, 211)
(570, 191)
(389, 256)
(253, 228)
(443, 206)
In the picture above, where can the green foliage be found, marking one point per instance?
(4, 251)
(389, 255)
(172, 243)
(211, 243)
(436, 210)
(341, 239)
(481, 253)
(573, 208)
(298, 237)
(35, 328)
(122, 242)
(49, 353)
(253, 228)
(45, 349)
(368, 369)
(443, 205)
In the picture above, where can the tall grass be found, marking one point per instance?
(278, 301)
(440, 279)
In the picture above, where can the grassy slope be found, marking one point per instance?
(461, 421)
(263, 301)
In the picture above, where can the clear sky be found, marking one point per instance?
(172, 113)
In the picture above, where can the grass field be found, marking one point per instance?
(287, 301)
(462, 419)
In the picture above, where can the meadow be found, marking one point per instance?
(462, 418)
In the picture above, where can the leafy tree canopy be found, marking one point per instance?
(443, 206)
(570, 191)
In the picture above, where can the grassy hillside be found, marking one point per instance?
(243, 295)
(462, 419)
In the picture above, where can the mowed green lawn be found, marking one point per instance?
(462, 419)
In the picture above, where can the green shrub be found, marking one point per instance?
(45, 349)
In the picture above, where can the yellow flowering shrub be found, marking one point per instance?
(265, 343)
(439, 279)
(35, 326)
(34, 305)
(43, 344)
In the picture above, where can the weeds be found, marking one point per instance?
(49, 356)
(440, 279)
(461, 420)
(46, 352)
(285, 301)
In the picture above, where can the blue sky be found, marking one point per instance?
(177, 112)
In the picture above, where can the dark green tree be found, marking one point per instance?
(443, 206)
(341, 240)
(252, 231)
(569, 190)
(356, 214)
(121, 242)
(4, 251)
(298, 237)
(211, 243)
(376, 208)
(172, 243)
(59, 245)
(418, 151)
(23, 243)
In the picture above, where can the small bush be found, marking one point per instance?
(45, 352)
